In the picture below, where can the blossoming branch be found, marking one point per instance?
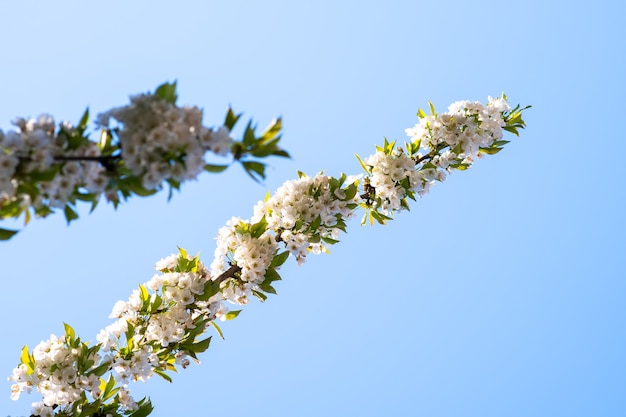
(141, 147)
(161, 327)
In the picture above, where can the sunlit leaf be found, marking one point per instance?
(232, 314)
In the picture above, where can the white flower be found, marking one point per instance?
(42, 410)
(126, 401)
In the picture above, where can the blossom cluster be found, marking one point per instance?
(390, 175)
(143, 146)
(160, 318)
(308, 213)
(440, 143)
(252, 249)
(157, 328)
(48, 167)
(56, 374)
(466, 129)
(29, 153)
(161, 324)
(162, 141)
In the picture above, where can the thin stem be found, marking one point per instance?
(102, 159)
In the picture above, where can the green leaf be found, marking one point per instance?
(379, 217)
(130, 333)
(143, 294)
(217, 328)
(432, 108)
(314, 238)
(350, 192)
(144, 410)
(232, 314)
(279, 259)
(88, 197)
(100, 370)
(365, 168)
(271, 275)
(272, 130)
(27, 359)
(257, 229)
(6, 234)
(47, 175)
(12, 209)
(70, 214)
(231, 119)
(315, 224)
(200, 324)
(210, 289)
(69, 332)
(262, 297)
(167, 92)
(248, 134)
(155, 303)
(202, 345)
(215, 168)
(420, 113)
(84, 121)
(261, 151)
(281, 152)
(267, 288)
(107, 390)
(162, 374)
(256, 170)
(89, 409)
(490, 151)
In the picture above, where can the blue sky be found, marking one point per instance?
(502, 291)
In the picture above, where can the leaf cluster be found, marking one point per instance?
(251, 147)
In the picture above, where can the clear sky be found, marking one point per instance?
(502, 292)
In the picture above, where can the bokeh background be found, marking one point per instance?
(500, 294)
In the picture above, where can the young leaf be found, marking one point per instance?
(69, 332)
(217, 328)
(490, 151)
(231, 119)
(84, 121)
(27, 359)
(272, 130)
(215, 168)
(365, 168)
(432, 108)
(232, 314)
(167, 92)
(257, 229)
